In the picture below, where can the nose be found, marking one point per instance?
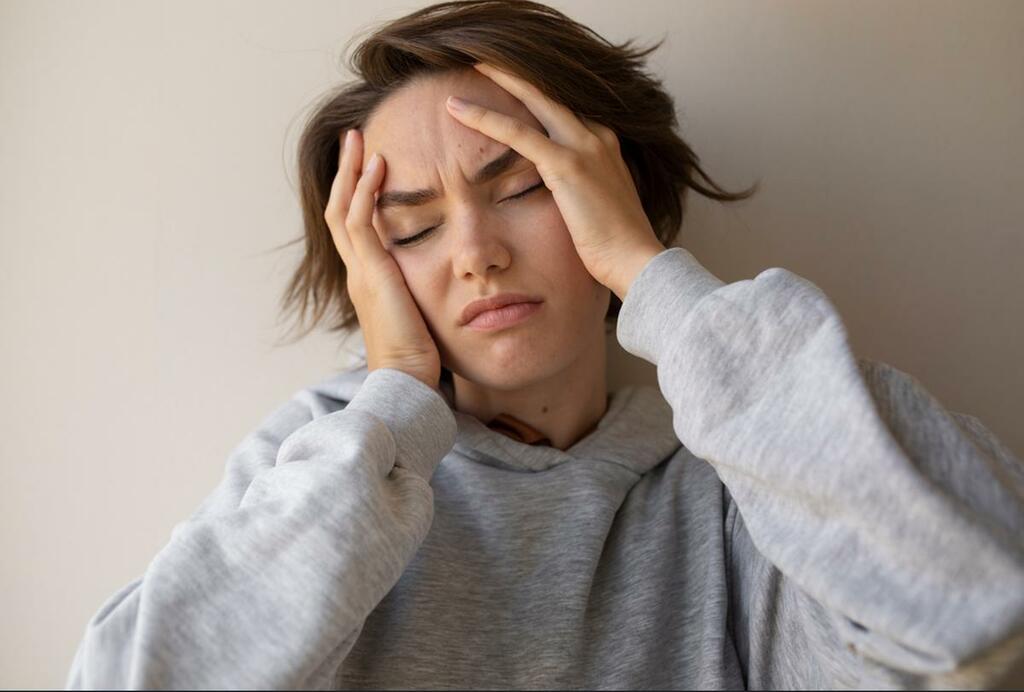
(480, 245)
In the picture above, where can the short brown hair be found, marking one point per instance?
(566, 60)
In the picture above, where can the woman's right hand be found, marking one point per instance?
(394, 330)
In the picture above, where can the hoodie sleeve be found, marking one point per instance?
(874, 535)
(267, 585)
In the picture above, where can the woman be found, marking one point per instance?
(472, 509)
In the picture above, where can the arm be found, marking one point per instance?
(877, 535)
(268, 584)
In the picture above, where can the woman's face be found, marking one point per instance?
(483, 242)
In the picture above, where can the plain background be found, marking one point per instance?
(148, 168)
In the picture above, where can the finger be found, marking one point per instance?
(557, 118)
(359, 221)
(527, 140)
(339, 199)
(351, 163)
(602, 132)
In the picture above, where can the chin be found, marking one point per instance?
(515, 358)
(510, 365)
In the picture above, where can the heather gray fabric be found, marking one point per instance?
(824, 523)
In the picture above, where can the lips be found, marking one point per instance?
(502, 318)
(492, 303)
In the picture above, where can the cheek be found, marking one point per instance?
(569, 276)
(552, 237)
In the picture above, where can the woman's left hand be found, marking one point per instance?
(580, 162)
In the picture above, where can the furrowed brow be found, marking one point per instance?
(414, 198)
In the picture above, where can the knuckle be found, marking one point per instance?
(610, 138)
(604, 135)
(573, 162)
(593, 143)
(515, 127)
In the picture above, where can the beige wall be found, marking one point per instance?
(143, 180)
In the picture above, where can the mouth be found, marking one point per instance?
(504, 317)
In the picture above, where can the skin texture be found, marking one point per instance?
(548, 371)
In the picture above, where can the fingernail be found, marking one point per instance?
(374, 162)
(457, 104)
(348, 138)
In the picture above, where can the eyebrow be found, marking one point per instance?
(413, 198)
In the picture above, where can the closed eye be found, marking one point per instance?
(425, 232)
(525, 192)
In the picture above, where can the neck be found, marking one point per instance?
(565, 406)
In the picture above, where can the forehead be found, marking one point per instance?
(413, 130)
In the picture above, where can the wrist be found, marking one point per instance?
(632, 265)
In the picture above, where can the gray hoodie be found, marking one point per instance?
(776, 514)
